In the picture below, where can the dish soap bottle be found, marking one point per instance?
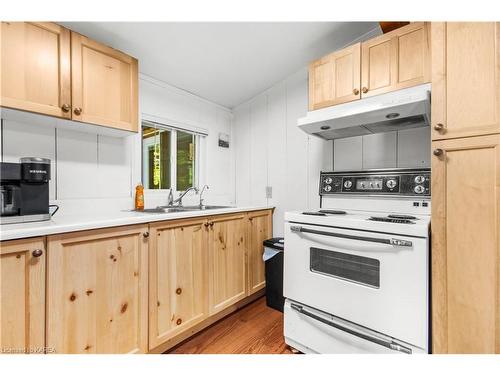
(139, 197)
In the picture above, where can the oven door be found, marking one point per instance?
(375, 280)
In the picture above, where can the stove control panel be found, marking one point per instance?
(406, 182)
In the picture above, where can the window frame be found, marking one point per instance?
(173, 155)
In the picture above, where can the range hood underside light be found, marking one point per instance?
(416, 121)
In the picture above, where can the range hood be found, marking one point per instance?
(397, 110)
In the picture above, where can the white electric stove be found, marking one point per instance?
(356, 277)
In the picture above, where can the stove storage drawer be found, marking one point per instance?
(314, 331)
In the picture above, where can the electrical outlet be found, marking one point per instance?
(269, 192)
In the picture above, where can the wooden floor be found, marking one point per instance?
(255, 329)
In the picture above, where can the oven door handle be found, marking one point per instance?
(377, 340)
(387, 241)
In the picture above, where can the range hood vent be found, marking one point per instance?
(397, 110)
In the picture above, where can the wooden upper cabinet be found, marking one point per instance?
(227, 260)
(260, 229)
(465, 79)
(35, 68)
(178, 278)
(104, 84)
(465, 245)
(97, 291)
(22, 296)
(335, 78)
(396, 60)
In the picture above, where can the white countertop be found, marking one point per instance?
(73, 223)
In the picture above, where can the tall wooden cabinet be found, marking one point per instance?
(97, 291)
(48, 69)
(35, 68)
(22, 296)
(465, 79)
(260, 229)
(335, 78)
(465, 188)
(178, 277)
(466, 247)
(227, 260)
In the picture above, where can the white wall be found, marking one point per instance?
(95, 172)
(171, 106)
(272, 151)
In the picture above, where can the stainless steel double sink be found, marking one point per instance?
(172, 209)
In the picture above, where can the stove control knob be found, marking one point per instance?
(328, 180)
(348, 184)
(419, 179)
(391, 184)
(419, 189)
(327, 188)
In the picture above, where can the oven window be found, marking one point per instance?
(358, 269)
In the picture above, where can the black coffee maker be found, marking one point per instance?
(24, 190)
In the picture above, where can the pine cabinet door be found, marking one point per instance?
(178, 278)
(396, 60)
(465, 245)
(227, 260)
(22, 296)
(335, 78)
(260, 229)
(104, 85)
(465, 79)
(97, 291)
(35, 68)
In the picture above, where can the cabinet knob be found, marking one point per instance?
(37, 253)
(365, 90)
(178, 291)
(179, 321)
(355, 91)
(439, 127)
(206, 224)
(66, 108)
(146, 234)
(211, 224)
(438, 152)
(77, 111)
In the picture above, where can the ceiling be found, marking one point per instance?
(226, 63)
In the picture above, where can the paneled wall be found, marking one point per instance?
(271, 151)
(93, 172)
(409, 148)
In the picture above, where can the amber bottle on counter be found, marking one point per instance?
(139, 197)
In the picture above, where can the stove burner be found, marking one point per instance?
(408, 217)
(391, 220)
(314, 213)
(333, 212)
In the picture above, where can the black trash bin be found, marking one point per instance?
(273, 257)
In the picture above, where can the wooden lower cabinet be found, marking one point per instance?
(227, 260)
(465, 245)
(98, 291)
(260, 229)
(97, 294)
(22, 296)
(178, 278)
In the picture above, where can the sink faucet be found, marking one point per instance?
(179, 200)
(201, 194)
(170, 198)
